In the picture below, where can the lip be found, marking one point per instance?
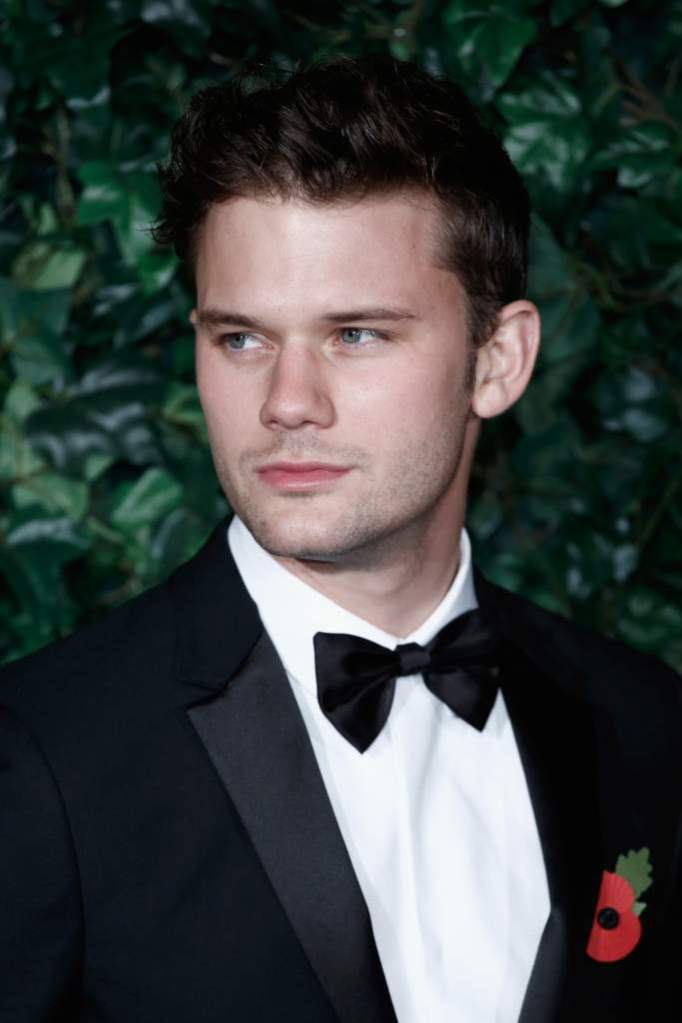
(300, 475)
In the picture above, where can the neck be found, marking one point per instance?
(400, 588)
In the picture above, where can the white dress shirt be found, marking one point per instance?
(435, 815)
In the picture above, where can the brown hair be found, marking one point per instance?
(341, 129)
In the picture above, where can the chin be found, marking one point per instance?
(303, 536)
(298, 541)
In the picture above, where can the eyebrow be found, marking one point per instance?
(220, 317)
(374, 313)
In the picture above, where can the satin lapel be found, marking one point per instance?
(258, 743)
(554, 733)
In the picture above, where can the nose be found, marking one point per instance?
(297, 394)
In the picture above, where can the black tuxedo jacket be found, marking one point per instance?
(168, 851)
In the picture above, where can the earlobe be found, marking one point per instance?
(505, 363)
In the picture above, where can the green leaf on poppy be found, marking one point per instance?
(638, 908)
(635, 867)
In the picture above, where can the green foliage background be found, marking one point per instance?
(105, 478)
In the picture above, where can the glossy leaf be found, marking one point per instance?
(53, 492)
(488, 39)
(548, 134)
(154, 494)
(53, 539)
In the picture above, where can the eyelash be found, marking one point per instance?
(224, 339)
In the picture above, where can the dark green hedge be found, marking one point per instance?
(106, 482)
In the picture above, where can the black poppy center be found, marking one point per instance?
(608, 918)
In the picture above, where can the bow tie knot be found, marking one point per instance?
(356, 678)
(413, 658)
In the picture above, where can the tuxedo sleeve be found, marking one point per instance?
(40, 907)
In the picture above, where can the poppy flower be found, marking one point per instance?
(616, 929)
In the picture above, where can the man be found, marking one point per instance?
(328, 772)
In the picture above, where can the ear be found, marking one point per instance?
(504, 364)
(193, 318)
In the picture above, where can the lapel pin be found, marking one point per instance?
(616, 928)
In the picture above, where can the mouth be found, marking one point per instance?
(300, 475)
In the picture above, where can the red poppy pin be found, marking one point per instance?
(616, 928)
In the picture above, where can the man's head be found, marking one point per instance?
(358, 241)
(344, 129)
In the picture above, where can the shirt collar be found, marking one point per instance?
(292, 611)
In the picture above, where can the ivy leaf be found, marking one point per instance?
(17, 455)
(562, 10)
(24, 312)
(39, 359)
(51, 539)
(54, 492)
(548, 134)
(155, 493)
(21, 401)
(42, 266)
(129, 201)
(188, 23)
(651, 621)
(636, 868)
(639, 154)
(488, 39)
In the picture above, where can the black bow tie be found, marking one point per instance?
(356, 678)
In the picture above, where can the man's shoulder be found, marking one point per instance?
(603, 667)
(191, 627)
(130, 642)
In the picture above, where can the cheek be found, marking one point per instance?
(223, 399)
(416, 398)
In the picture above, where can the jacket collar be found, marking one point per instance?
(217, 623)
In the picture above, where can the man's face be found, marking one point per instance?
(331, 362)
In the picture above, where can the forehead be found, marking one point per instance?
(382, 246)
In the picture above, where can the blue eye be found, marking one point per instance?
(236, 342)
(352, 336)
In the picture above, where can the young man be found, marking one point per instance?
(327, 772)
